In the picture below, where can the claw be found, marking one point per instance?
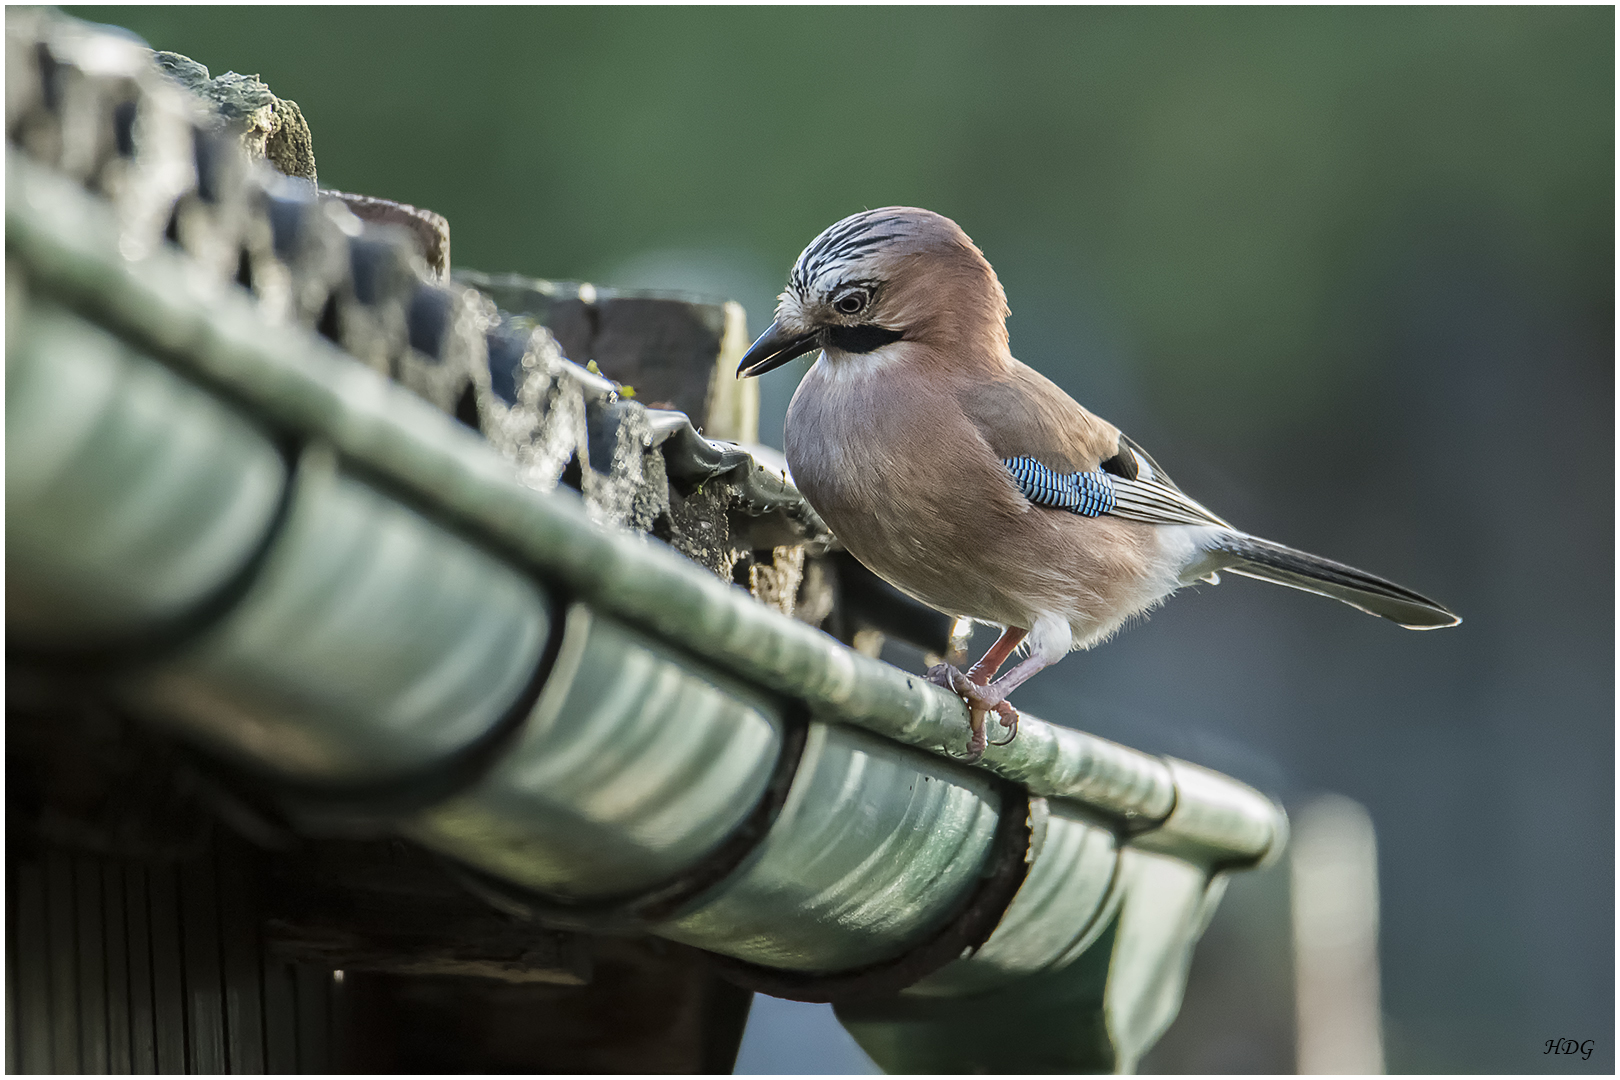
(1007, 717)
(952, 679)
(947, 676)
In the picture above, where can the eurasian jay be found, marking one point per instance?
(972, 482)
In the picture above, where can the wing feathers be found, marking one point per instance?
(1088, 494)
(1059, 455)
(1098, 492)
(1142, 491)
(1024, 414)
(1153, 498)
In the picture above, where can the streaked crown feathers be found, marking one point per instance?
(920, 266)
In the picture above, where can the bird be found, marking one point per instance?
(975, 484)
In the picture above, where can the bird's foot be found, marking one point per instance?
(977, 695)
(948, 676)
(981, 702)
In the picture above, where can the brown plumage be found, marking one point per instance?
(909, 480)
(900, 436)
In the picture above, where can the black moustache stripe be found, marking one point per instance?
(861, 339)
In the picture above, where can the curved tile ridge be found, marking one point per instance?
(66, 240)
(763, 487)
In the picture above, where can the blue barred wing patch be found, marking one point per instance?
(1086, 493)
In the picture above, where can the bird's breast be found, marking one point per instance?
(903, 479)
(863, 440)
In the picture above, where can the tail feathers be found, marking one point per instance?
(1281, 565)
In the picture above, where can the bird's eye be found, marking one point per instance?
(851, 303)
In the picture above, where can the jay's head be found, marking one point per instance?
(876, 278)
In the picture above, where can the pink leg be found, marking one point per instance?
(1018, 676)
(996, 655)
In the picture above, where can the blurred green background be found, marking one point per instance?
(1349, 273)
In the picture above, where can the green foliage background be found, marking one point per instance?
(1214, 177)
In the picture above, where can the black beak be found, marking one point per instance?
(774, 348)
